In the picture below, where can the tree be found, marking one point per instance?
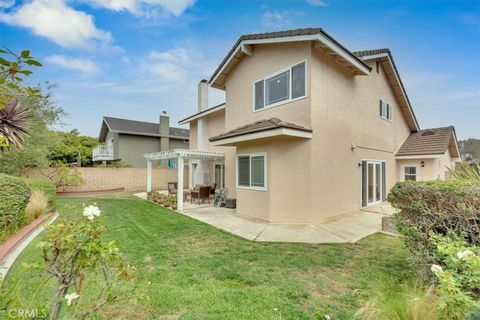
(13, 113)
(35, 149)
(72, 148)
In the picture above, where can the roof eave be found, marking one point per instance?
(261, 134)
(324, 38)
(202, 113)
(399, 81)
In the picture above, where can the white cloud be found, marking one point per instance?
(169, 65)
(6, 3)
(83, 65)
(140, 7)
(317, 3)
(276, 19)
(58, 22)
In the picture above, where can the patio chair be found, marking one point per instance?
(202, 193)
(213, 186)
(172, 188)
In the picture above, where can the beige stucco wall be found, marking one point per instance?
(309, 180)
(314, 179)
(266, 59)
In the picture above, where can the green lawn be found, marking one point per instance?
(190, 270)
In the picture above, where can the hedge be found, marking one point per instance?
(14, 196)
(48, 187)
(442, 207)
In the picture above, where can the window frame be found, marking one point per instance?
(276, 73)
(387, 112)
(417, 172)
(265, 176)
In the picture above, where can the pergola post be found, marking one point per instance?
(180, 170)
(149, 175)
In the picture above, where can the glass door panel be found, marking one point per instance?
(378, 184)
(370, 182)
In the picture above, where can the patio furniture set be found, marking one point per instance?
(200, 193)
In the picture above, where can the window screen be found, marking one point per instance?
(259, 95)
(258, 174)
(244, 171)
(278, 88)
(298, 80)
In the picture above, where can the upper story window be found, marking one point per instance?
(385, 111)
(282, 87)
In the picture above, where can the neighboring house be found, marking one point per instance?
(129, 140)
(311, 130)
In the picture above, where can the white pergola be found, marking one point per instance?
(180, 155)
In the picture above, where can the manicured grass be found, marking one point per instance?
(190, 270)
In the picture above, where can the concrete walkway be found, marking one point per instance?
(347, 228)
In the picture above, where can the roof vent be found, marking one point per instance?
(428, 133)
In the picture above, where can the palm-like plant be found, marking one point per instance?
(14, 122)
(466, 171)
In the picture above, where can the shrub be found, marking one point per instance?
(37, 205)
(436, 206)
(457, 276)
(14, 198)
(47, 187)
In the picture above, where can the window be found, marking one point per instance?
(251, 171)
(385, 110)
(281, 87)
(410, 173)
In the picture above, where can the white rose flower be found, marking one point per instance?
(91, 212)
(465, 254)
(436, 269)
(70, 297)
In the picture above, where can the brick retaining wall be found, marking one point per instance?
(109, 178)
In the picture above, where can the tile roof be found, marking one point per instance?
(142, 128)
(371, 52)
(262, 125)
(281, 34)
(427, 141)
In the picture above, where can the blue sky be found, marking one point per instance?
(135, 58)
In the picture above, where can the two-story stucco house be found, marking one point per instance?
(128, 140)
(311, 130)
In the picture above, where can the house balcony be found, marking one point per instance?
(102, 153)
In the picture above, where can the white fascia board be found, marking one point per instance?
(341, 52)
(386, 55)
(421, 156)
(202, 114)
(315, 37)
(264, 134)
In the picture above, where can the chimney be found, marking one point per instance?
(164, 123)
(202, 95)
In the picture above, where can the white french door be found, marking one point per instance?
(374, 182)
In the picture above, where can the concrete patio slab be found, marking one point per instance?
(306, 233)
(227, 220)
(355, 225)
(382, 208)
(349, 227)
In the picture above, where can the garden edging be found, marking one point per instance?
(13, 246)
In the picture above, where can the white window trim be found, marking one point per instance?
(250, 155)
(277, 104)
(387, 106)
(417, 175)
